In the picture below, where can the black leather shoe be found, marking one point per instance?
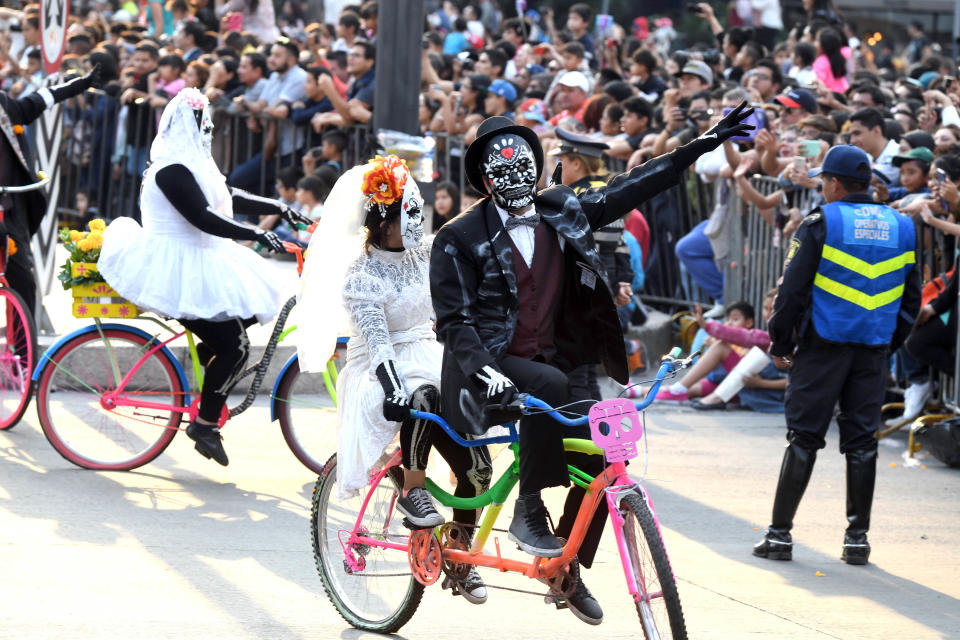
(209, 441)
(776, 545)
(703, 406)
(529, 528)
(856, 549)
(584, 605)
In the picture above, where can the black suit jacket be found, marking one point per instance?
(29, 208)
(474, 284)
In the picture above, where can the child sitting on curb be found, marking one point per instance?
(754, 381)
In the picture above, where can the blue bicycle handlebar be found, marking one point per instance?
(530, 402)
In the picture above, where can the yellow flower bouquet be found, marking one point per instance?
(84, 250)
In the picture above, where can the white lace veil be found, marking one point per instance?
(335, 244)
(180, 141)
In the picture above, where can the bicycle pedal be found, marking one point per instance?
(413, 527)
(453, 585)
(561, 603)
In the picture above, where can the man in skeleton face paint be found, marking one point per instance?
(521, 298)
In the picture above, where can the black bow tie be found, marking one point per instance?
(522, 221)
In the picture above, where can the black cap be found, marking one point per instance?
(492, 126)
(575, 143)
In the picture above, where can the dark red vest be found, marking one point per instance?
(538, 294)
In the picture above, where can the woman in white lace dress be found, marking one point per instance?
(393, 357)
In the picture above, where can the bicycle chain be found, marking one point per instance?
(261, 367)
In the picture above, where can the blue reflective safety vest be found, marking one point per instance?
(868, 251)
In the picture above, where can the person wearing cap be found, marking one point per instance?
(521, 299)
(583, 169)
(532, 113)
(849, 294)
(695, 76)
(500, 99)
(914, 166)
(797, 104)
(569, 97)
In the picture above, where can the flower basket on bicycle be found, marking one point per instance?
(92, 296)
(97, 300)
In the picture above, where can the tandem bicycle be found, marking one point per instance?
(374, 570)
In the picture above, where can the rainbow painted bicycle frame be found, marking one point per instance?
(609, 485)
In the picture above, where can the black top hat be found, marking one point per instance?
(494, 126)
(575, 143)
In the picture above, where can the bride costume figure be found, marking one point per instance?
(184, 263)
(368, 270)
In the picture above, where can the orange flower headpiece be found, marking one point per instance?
(384, 181)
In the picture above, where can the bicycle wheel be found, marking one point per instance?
(306, 412)
(94, 436)
(18, 357)
(384, 594)
(659, 606)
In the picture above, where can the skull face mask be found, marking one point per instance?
(510, 172)
(411, 215)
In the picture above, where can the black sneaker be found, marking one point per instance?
(584, 605)
(856, 549)
(776, 545)
(529, 528)
(472, 588)
(209, 441)
(418, 508)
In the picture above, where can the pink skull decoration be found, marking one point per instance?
(615, 427)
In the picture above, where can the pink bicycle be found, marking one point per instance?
(111, 396)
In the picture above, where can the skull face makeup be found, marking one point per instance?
(205, 124)
(411, 215)
(510, 172)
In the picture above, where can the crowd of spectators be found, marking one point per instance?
(288, 92)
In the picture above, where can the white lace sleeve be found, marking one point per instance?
(364, 297)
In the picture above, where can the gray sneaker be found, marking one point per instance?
(418, 508)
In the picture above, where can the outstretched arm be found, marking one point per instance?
(181, 189)
(246, 203)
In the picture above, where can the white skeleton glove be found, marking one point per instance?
(396, 404)
(499, 388)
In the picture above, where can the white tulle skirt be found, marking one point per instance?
(364, 433)
(197, 277)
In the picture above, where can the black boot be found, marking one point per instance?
(209, 441)
(529, 528)
(794, 476)
(861, 477)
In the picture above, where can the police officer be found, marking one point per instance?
(850, 291)
(583, 169)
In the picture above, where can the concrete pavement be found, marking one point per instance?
(183, 548)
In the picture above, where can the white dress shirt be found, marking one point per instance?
(522, 236)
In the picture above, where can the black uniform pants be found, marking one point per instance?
(824, 374)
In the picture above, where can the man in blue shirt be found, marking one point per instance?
(358, 107)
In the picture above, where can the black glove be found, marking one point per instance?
(270, 240)
(76, 86)
(293, 216)
(731, 125)
(396, 405)
(499, 389)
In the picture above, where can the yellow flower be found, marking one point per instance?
(77, 236)
(84, 245)
(97, 224)
(95, 239)
(18, 129)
